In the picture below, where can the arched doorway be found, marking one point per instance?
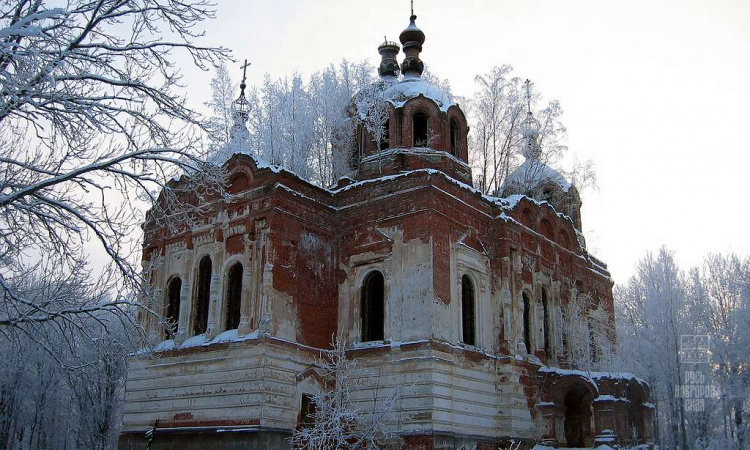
(577, 402)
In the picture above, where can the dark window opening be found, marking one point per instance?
(307, 411)
(173, 302)
(234, 296)
(545, 306)
(420, 130)
(373, 307)
(468, 311)
(564, 334)
(526, 322)
(385, 142)
(455, 136)
(356, 152)
(202, 295)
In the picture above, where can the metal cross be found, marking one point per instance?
(412, 7)
(244, 71)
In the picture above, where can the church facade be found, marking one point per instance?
(433, 285)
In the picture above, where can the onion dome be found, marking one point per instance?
(239, 136)
(240, 113)
(412, 39)
(530, 128)
(530, 133)
(388, 64)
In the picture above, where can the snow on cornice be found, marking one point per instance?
(427, 151)
(592, 376)
(400, 93)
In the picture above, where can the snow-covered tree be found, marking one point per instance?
(722, 309)
(496, 113)
(585, 334)
(90, 122)
(223, 92)
(341, 417)
(91, 125)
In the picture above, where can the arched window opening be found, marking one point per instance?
(357, 149)
(234, 296)
(564, 332)
(420, 130)
(563, 239)
(202, 294)
(468, 311)
(455, 138)
(545, 307)
(307, 411)
(373, 307)
(173, 301)
(546, 229)
(526, 322)
(385, 142)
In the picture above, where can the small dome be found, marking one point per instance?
(412, 33)
(531, 175)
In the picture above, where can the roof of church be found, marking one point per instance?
(533, 173)
(399, 93)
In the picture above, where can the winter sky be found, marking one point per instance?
(656, 92)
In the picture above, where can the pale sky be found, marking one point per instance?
(656, 92)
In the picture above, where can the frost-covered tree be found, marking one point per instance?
(91, 125)
(90, 122)
(223, 93)
(305, 125)
(342, 417)
(496, 113)
(585, 334)
(653, 315)
(721, 296)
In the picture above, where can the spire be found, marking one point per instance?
(530, 130)
(388, 69)
(239, 134)
(412, 39)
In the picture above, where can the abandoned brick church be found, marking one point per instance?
(455, 294)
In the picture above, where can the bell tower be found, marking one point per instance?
(408, 124)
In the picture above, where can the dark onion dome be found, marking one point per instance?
(388, 62)
(412, 34)
(412, 39)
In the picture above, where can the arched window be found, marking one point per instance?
(385, 143)
(373, 307)
(526, 322)
(420, 130)
(468, 311)
(202, 295)
(234, 296)
(546, 229)
(564, 332)
(455, 138)
(545, 307)
(173, 301)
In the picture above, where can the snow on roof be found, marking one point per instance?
(399, 93)
(232, 148)
(593, 376)
(199, 340)
(532, 173)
